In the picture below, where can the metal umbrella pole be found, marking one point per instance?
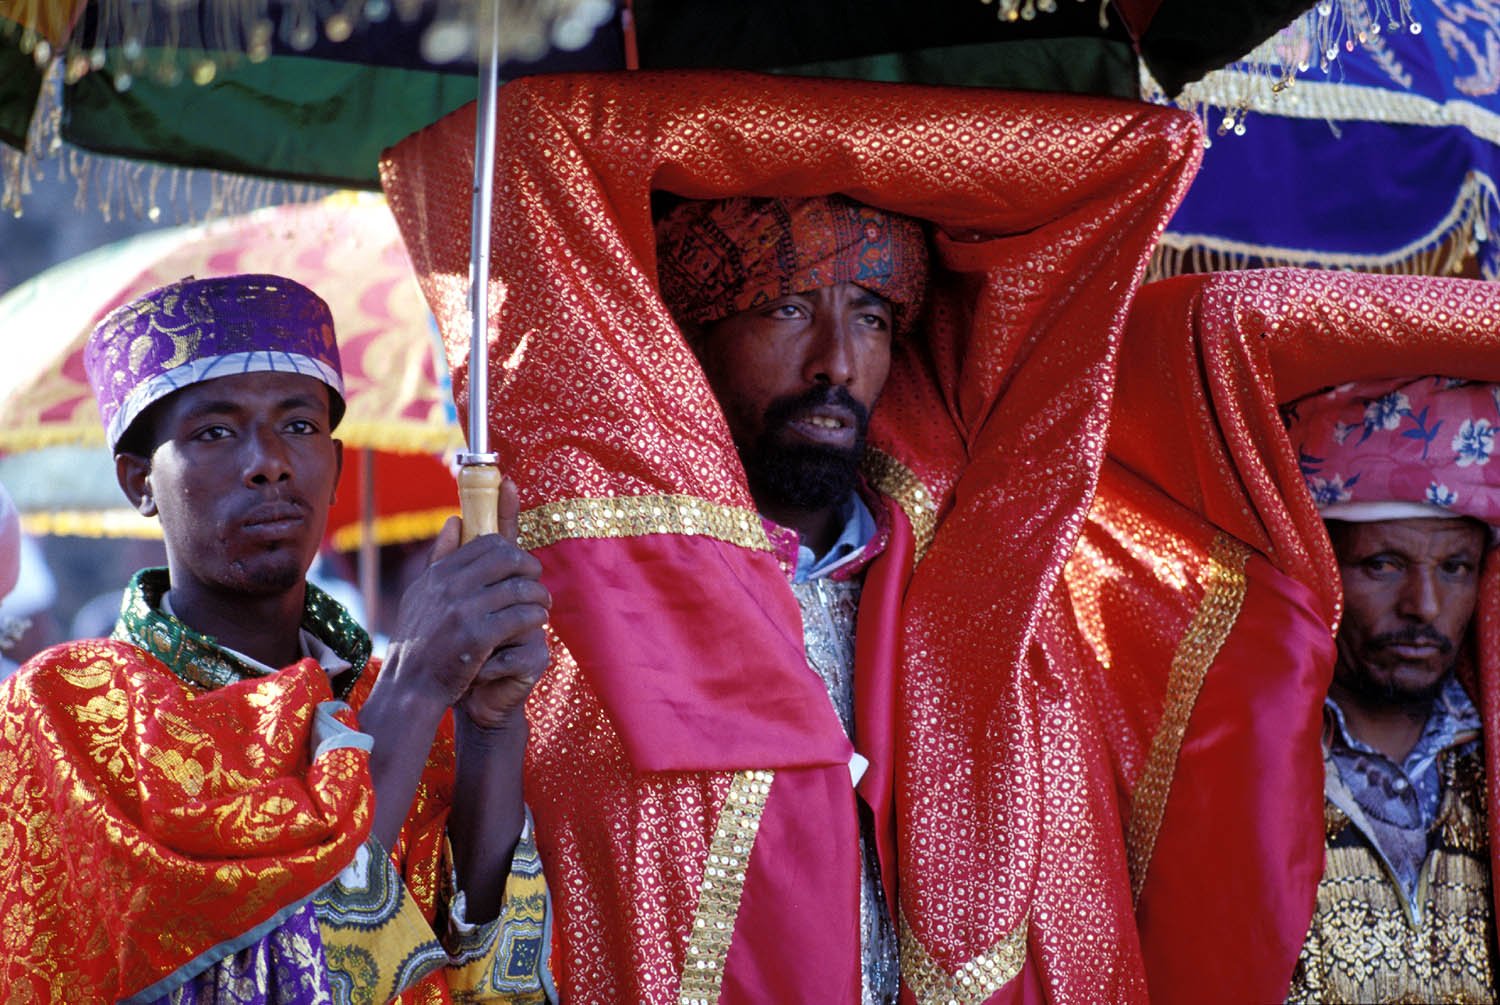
(479, 471)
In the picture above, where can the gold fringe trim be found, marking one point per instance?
(635, 516)
(1200, 645)
(974, 982)
(398, 528)
(891, 478)
(723, 883)
(1315, 40)
(1444, 250)
(120, 523)
(40, 437)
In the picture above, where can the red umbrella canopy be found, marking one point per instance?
(347, 249)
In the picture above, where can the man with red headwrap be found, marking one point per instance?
(733, 803)
(1313, 565)
(791, 306)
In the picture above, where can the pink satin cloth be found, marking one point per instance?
(678, 644)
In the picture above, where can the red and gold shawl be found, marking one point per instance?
(690, 784)
(145, 823)
(1205, 553)
(148, 828)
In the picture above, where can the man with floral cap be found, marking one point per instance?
(184, 821)
(1399, 470)
(1291, 542)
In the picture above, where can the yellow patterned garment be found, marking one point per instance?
(1368, 944)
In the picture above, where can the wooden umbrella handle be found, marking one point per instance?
(479, 499)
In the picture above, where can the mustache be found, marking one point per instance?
(783, 410)
(1414, 635)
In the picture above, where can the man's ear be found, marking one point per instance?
(133, 472)
(338, 468)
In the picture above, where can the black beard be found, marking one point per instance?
(804, 476)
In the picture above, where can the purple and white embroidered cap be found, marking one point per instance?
(199, 329)
(1400, 448)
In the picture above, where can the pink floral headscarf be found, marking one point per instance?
(1400, 448)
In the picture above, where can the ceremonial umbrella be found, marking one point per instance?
(116, 53)
(347, 249)
(1383, 156)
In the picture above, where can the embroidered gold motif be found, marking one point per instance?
(975, 981)
(891, 478)
(1205, 635)
(723, 882)
(1362, 946)
(634, 516)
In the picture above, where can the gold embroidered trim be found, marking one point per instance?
(891, 478)
(1200, 644)
(395, 528)
(633, 516)
(723, 882)
(975, 980)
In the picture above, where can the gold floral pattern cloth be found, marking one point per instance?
(177, 827)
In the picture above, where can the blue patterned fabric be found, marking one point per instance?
(1400, 801)
(1369, 164)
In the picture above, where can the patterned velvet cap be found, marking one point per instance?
(199, 329)
(717, 258)
(1400, 448)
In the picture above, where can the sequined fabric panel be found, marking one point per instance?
(1362, 946)
(829, 614)
(639, 845)
(107, 759)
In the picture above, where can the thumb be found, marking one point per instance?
(509, 505)
(447, 540)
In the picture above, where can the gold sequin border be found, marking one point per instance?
(634, 516)
(723, 882)
(895, 480)
(975, 981)
(1200, 645)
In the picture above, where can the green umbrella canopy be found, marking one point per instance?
(284, 95)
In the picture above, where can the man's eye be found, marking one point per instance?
(876, 321)
(302, 426)
(1380, 565)
(1458, 567)
(786, 311)
(212, 433)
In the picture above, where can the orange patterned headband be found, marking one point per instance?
(717, 258)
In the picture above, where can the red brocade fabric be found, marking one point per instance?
(145, 823)
(1224, 787)
(679, 663)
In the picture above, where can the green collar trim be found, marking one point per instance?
(199, 660)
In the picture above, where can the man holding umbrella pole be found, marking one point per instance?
(183, 821)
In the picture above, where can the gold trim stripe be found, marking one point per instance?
(633, 516)
(394, 528)
(1199, 647)
(723, 883)
(975, 980)
(891, 478)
